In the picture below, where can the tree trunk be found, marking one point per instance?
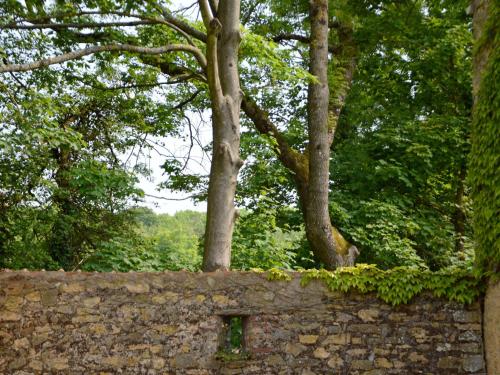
(326, 241)
(315, 204)
(60, 248)
(298, 164)
(223, 80)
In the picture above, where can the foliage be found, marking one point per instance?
(381, 229)
(275, 274)
(123, 254)
(400, 284)
(484, 157)
(398, 169)
(152, 242)
(260, 242)
(262, 53)
(22, 239)
(173, 239)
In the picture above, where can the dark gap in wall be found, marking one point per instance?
(233, 345)
(234, 340)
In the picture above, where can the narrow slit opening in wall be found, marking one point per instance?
(234, 333)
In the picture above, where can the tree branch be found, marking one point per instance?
(206, 12)
(168, 19)
(105, 48)
(291, 158)
(178, 79)
(170, 199)
(84, 25)
(188, 100)
(332, 48)
(214, 27)
(214, 5)
(300, 38)
(195, 33)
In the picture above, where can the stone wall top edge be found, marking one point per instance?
(245, 277)
(6, 273)
(213, 282)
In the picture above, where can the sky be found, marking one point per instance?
(150, 184)
(199, 163)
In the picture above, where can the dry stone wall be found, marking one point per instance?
(173, 323)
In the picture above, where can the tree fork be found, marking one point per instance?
(222, 23)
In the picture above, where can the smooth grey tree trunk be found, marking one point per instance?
(310, 170)
(222, 23)
(317, 218)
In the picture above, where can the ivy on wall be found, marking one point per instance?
(485, 154)
(397, 285)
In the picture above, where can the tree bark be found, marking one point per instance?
(222, 71)
(60, 244)
(317, 218)
(311, 170)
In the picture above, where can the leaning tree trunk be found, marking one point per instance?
(329, 245)
(315, 204)
(222, 23)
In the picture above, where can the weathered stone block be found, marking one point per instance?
(335, 362)
(340, 339)
(368, 315)
(321, 353)
(91, 302)
(9, 316)
(308, 339)
(383, 363)
(473, 363)
(137, 287)
(294, 348)
(358, 364)
(449, 363)
(418, 358)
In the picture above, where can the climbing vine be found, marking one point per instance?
(275, 274)
(397, 285)
(484, 160)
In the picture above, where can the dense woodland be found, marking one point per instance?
(351, 144)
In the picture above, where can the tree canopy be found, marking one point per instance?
(355, 130)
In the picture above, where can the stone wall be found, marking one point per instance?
(492, 327)
(172, 323)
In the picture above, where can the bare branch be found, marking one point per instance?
(105, 48)
(195, 33)
(191, 143)
(84, 25)
(332, 48)
(188, 100)
(186, 8)
(300, 38)
(170, 199)
(178, 79)
(168, 19)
